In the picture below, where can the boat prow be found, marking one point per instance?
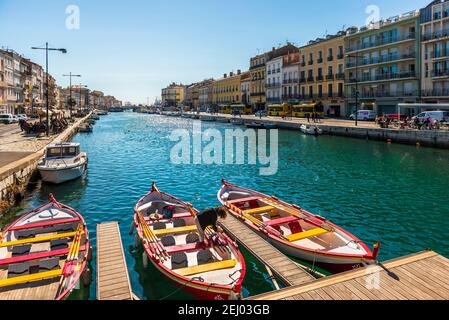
(295, 231)
(213, 270)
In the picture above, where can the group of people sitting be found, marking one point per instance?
(57, 125)
(408, 122)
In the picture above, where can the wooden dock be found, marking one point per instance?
(422, 276)
(285, 269)
(112, 273)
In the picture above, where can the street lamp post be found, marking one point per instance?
(70, 75)
(357, 57)
(46, 48)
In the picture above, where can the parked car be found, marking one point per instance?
(261, 113)
(364, 115)
(22, 117)
(442, 116)
(7, 118)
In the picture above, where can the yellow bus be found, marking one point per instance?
(301, 110)
(241, 109)
(280, 110)
(225, 109)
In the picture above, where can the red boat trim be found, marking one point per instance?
(280, 221)
(37, 256)
(44, 224)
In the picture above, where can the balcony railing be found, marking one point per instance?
(310, 62)
(302, 80)
(274, 100)
(435, 93)
(291, 96)
(310, 79)
(381, 41)
(330, 58)
(340, 76)
(319, 78)
(256, 66)
(382, 59)
(303, 64)
(257, 94)
(272, 85)
(385, 76)
(330, 77)
(319, 60)
(435, 35)
(441, 54)
(340, 56)
(440, 73)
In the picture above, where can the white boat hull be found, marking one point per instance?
(58, 176)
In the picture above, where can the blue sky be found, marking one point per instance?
(133, 48)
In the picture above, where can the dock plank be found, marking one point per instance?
(112, 271)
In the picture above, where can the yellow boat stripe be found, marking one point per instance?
(259, 210)
(39, 239)
(306, 234)
(163, 232)
(30, 278)
(220, 265)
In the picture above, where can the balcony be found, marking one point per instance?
(435, 93)
(330, 77)
(319, 78)
(278, 70)
(386, 94)
(303, 64)
(435, 35)
(256, 66)
(340, 76)
(330, 58)
(310, 79)
(340, 56)
(385, 76)
(257, 94)
(382, 59)
(310, 62)
(274, 100)
(302, 80)
(437, 55)
(319, 60)
(273, 85)
(381, 42)
(440, 73)
(292, 96)
(269, 72)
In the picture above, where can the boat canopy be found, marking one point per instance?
(66, 150)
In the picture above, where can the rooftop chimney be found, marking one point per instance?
(225, 75)
(239, 71)
(231, 74)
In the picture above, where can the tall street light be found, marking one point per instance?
(46, 48)
(356, 57)
(70, 75)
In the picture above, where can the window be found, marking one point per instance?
(320, 91)
(340, 90)
(311, 91)
(330, 90)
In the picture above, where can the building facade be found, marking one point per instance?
(245, 88)
(227, 89)
(384, 64)
(322, 69)
(435, 52)
(290, 78)
(173, 95)
(257, 85)
(205, 94)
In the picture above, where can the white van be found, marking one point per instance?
(7, 118)
(441, 116)
(364, 115)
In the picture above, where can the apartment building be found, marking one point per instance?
(257, 83)
(383, 64)
(274, 72)
(173, 95)
(192, 96)
(322, 67)
(205, 94)
(227, 89)
(3, 86)
(290, 78)
(435, 52)
(245, 90)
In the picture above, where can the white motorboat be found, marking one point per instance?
(237, 122)
(63, 162)
(311, 130)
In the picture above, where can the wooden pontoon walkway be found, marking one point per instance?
(285, 269)
(112, 273)
(422, 276)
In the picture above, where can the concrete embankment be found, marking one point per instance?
(15, 176)
(428, 138)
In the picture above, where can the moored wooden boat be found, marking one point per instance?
(214, 270)
(44, 253)
(311, 130)
(295, 231)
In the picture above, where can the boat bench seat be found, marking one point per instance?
(180, 230)
(38, 239)
(185, 248)
(220, 265)
(259, 210)
(306, 234)
(277, 222)
(243, 200)
(30, 278)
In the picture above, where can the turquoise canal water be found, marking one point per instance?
(395, 194)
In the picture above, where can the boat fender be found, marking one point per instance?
(145, 260)
(136, 241)
(131, 229)
(89, 254)
(86, 277)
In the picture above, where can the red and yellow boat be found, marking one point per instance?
(213, 270)
(44, 253)
(296, 232)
